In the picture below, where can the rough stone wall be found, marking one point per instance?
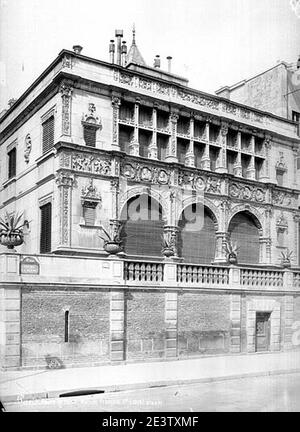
(145, 325)
(43, 326)
(203, 323)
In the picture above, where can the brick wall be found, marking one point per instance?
(203, 323)
(43, 326)
(145, 325)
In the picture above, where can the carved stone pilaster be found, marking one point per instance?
(116, 102)
(65, 181)
(220, 256)
(222, 160)
(170, 241)
(172, 147)
(237, 169)
(115, 192)
(66, 90)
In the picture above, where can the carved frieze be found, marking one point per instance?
(144, 173)
(247, 192)
(282, 198)
(197, 182)
(91, 164)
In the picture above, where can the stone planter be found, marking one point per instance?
(286, 263)
(112, 248)
(232, 259)
(168, 252)
(11, 240)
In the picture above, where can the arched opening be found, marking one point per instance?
(143, 226)
(197, 235)
(244, 231)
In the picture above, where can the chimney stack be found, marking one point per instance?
(77, 49)
(119, 35)
(157, 61)
(169, 58)
(112, 51)
(124, 53)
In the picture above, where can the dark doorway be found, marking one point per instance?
(262, 331)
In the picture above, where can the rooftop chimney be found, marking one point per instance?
(112, 51)
(157, 61)
(119, 35)
(77, 49)
(124, 53)
(169, 58)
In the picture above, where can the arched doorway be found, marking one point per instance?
(197, 235)
(143, 226)
(244, 230)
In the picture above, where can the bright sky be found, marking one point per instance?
(213, 42)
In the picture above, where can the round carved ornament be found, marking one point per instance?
(163, 177)
(259, 195)
(234, 190)
(200, 183)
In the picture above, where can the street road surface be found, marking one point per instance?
(272, 393)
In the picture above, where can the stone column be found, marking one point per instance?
(220, 256)
(265, 176)
(235, 318)
(251, 168)
(171, 322)
(134, 146)
(237, 170)
(190, 156)
(206, 158)
(222, 159)
(116, 102)
(114, 187)
(66, 89)
(172, 147)
(117, 325)
(65, 182)
(153, 145)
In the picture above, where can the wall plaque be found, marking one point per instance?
(29, 265)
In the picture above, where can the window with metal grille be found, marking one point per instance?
(197, 235)
(48, 134)
(279, 177)
(46, 227)
(89, 215)
(89, 135)
(244, 231)
(12, 162)
(143, 227)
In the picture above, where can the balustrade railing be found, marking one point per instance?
(202, 274)
(296, 279)
(261, 278)
(143, 271)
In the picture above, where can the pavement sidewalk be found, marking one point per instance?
(40, 384)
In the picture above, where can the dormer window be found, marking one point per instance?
(91, 123)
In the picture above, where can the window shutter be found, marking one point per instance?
(12, 156)
(48, 134)
(89, 134)
(89, 214)
(45, 243)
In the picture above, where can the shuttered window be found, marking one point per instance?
(12, 163)
(143, 227)
(197, 236)
(46, 215)
(89, 215)
(245, 233)
(48, 134)
(89, 135)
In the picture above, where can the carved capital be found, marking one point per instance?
(65, 179)
(224, 129)
(66, 89)
(115, 101)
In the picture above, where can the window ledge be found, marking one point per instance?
(45, 156)
(9, 181)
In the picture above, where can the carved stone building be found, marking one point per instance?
(95, 144)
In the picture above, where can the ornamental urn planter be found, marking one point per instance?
(286, 263)
(168, 252)
(11, 240)
(112, 247)
(232, 258)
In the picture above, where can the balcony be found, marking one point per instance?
(114, 271)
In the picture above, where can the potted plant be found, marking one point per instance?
(112, 243)
(169, 245)
(11, 230)
(286, 258)
(231, 249)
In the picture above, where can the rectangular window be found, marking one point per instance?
(46, 227)
(181, 151)
(12, 162)
(213, 155)
(48, 134)
(89, 215)
(162, 146)
(89, 135)
(231, 159)
(296, 116)
(279, 178)
(258, 168)
(281, 237)
(245, 160)
(198, 151)
(67, 313)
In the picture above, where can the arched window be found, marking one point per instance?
(197, 235)
(143, 226)
(244, 230)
